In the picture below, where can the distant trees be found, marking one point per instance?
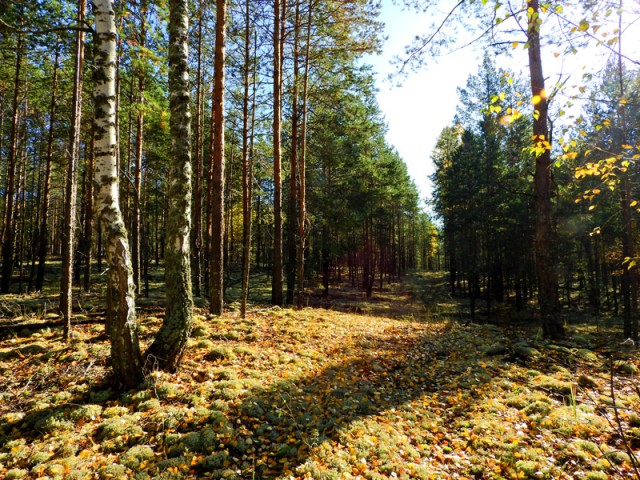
(288, 139)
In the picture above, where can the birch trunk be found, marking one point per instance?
(170, 343)
(125, 350)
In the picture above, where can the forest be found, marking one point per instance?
(215, 265)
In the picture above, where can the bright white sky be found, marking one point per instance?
(417, 110)
(425, 103)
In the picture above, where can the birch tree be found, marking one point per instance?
(121, 319)
(170, 342)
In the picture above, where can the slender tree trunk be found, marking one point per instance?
(247, 167)
(196, 231)
(68, 236)
(171, 341)
(302, 174)
(276, 285)
(135, 215)
(10, 189)
(208, 242)
(88, 220)
(629, 285)
(292, 216)
(217, 239)
(43, 241)
(544, 245)
(121, 316)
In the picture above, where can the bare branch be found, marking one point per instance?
(66, 28)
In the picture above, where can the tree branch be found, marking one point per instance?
(66, 28)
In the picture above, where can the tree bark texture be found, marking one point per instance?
(43, 241)
(276, 281)
(10, 189)
(170, 343)
(121, 317)
(196, 231)
(543, 243)
(217, 239)
(71, 187)
(302, 174)
(247, 170)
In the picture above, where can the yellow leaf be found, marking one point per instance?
(623, 101)
(591, 207)
(515, 44)
(556, 54)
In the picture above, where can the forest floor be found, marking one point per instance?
(401, 386)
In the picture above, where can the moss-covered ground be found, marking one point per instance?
(395, 387)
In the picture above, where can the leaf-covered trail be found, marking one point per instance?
(399, 391)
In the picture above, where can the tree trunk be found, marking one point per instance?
(247, 166)
(217, 238)
(68, 235)
(135, 215)
(43, 240)
(196, 231)
(10, 189)
(88, 221)
(292, 216)
(544, 245)
(121, 316)
(276, 285)
(170, 343)
(302, 174)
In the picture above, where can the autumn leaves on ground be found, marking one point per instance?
(399, 387)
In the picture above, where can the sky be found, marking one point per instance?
(424, 103)
(419, 108)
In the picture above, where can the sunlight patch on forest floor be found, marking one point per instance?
(326, 394)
